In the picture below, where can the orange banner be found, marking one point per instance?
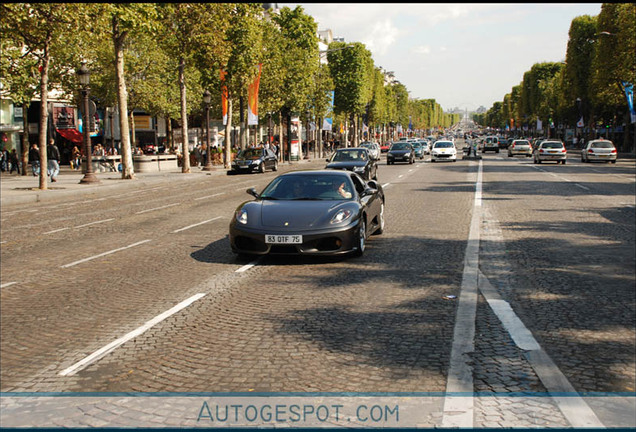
(224, 96)
(252, 99)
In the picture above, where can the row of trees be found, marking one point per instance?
(601, 54)
(161, 57)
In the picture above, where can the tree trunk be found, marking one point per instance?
(185, 165)
(133, 139)
(25, 138)
(319, 136)
(355, 130)
(44, 113)
(241, 123)
(169, 137)
(127, 172)
(228, 136)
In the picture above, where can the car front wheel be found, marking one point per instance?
(361, 240)
(380, 228)
(275, 167)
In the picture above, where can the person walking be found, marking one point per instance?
(4, 160)
(13, 161)
(76, 161)
(53, 155)
(34, 159)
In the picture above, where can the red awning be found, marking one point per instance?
(71, 134)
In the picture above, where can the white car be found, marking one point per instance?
(444, 150)
(599, 150)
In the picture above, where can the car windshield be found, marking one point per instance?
(602, 144)
(249, 154)
(552, 145)
(443, 144)
(520, 143)
(349, 155)
(401, 146)
(309, 187)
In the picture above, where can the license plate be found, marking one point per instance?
(551, 152)
(601, 155)
(283, 239)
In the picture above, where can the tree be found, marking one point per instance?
(40, 29)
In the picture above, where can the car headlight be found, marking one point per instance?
(241, 216)
(255, 162)
(358, 169)
(341, 216)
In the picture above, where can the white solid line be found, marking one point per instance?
(4, 241)
(157, 208)
(196, 224)
(4, 285)
(581, 186)
(133, 334)
(247, 267)
(459, 410)
(94, 223)
(385, 185)
(57, 230)
(104, 254)
(209, 196)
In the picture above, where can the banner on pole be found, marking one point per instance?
(629, 94)
(224, 96)
(580, 123)
(252, 99)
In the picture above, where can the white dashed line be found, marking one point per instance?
(4, 285)
(385, 185)
(581, 186)
(196, 224)
(133, 334)
(157, 208)
(104, 254)
(94, 223)
(209, 196)
(246, 267)
(244, 188)
(57, 230)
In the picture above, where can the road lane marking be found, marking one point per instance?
(581, 186)
(57, 230)
(458, 411)
(196, 224)
(246, 267)
(4, 285)
(574, 408)
(242, 188)
(385, 185)
(94, 223)
(157, 208)
(100, 353)
(209, 196)
(104, 254)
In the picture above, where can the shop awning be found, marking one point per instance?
(71, 134)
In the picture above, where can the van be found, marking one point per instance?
(490, 143)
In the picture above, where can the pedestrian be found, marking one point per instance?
(53, 156)
(76, 158)
(13, 160)
(4, 160)
(34, 159)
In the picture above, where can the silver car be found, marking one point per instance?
(550, 150)
(599, 150)
(373, 149)
(520, 147)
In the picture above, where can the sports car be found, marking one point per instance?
(321, 212)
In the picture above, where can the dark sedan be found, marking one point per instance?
(323, 212)
(400, 152)
(356, 159)
(254, 159)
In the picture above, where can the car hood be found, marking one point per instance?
(399, 152)
(293, 216)
(345, 165)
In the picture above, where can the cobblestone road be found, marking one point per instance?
(560, 254)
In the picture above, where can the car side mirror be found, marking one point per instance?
(253, 192)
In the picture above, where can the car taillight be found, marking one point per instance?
(563, 150)
(613, 151)
(540, 150)
(590, 151)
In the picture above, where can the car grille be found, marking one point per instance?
(250, 244)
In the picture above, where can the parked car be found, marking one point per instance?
(599, 150)
(520, 147)
(444, 150)
(491, 143)
(385, 147)
(550, 150)
(354, 159)
(400, 151)
(373, 148)
(254, 159)
(318, 212)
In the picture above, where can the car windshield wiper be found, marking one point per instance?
(269, 198)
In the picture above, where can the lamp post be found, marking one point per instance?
(84, 78)
(207, 97)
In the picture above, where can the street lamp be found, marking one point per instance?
(207, 97)
(84, 76)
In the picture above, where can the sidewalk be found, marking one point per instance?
(21, 189)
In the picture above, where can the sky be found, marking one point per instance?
(462, 55)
